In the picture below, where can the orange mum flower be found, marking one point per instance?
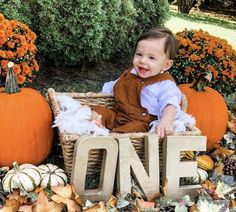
(20, 51)
(2, 54)
(20, 79)
(11, 44)
(26, 69)
(200, 52)
(219, 53)
(4, 64)
(13, 23)
(17, 45)
(16, 69)
(10, 54)
(35, 65)
(194, 57)
(210, 68)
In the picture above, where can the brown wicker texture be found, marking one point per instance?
(68, 141)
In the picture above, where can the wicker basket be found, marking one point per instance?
(68, 141)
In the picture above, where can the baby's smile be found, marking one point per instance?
(142, 70)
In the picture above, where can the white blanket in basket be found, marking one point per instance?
(75, 118)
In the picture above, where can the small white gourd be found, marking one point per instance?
(52, 175)
(202, 175)
(26, 177)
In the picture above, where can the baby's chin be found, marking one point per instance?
(143, 74)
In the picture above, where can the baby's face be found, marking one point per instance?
(150, 58)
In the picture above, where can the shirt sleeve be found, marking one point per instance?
(108, 87)
(170, 95)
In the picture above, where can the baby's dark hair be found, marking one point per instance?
(171, 42)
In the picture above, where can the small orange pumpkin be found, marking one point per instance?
(25, 125)
(209, 109)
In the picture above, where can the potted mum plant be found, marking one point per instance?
(200, 52)
(17, 45)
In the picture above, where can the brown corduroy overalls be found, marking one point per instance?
(128, 115)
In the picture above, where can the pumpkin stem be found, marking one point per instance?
(202, 81)
(16, 166)
(11, 83)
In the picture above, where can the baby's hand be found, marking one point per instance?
(163, 129)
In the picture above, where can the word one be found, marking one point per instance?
(120, 159)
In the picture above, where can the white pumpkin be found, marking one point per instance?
(201, 176)
(26, 177)
(52, 175)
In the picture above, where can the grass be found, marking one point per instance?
(205, 19)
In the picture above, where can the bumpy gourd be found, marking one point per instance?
(203, 161)
(209, 109)
(52, 175)
(26, 177)
(25, 125)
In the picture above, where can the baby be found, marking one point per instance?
(146, 94)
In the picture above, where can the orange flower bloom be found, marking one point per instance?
(35, 65)
(194, 57)
(26, 69)
(20, 79)
(232, 64)
(11, 44)
(10, 54)
(210, 68)
(16, 69)
(219, 53)
(31, 47)
(4, 64)
(215, 74)
(13, 23)
(231, 76)
(20, 51)
(2, 54)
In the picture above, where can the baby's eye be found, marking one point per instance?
(138, 54)
(152, 58)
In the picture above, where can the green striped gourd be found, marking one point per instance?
(26, 177)
(52, 175)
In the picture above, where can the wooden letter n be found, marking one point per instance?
(148, 177)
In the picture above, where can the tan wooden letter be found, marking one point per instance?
(148, 179)
(175, 168)
(108, 170)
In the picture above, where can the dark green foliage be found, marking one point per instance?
(72, 32)
(16, 9)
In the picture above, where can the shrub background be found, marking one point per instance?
(71, 32)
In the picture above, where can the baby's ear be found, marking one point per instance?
(168, 64)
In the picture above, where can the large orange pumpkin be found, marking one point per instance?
(209, 109)
(25, 126)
